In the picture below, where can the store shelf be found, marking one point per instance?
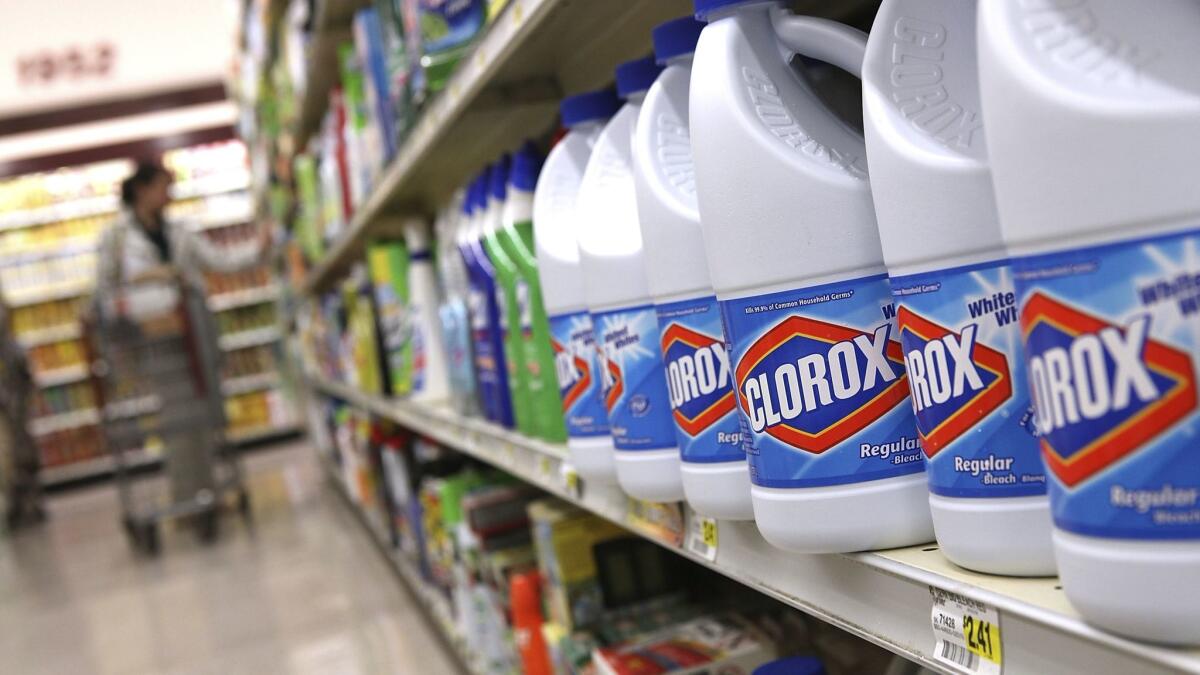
(435, 604)
(248, 383)
(249, 338)
(215, 184)
(243, 298)
(505, 90)
(67, 375)
(45, 336)
(72, 419)
(883, 597)
(94, 467)
(49, 292)
(53, 213)
(220, 219)
(49, 250)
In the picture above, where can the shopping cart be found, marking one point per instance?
(156, 364)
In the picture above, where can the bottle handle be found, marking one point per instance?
(821, 39)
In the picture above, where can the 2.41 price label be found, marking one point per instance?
(966, 633)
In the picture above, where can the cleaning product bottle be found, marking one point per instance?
(1092, 120)
(486, 341)
(794, 254)
(456, 328)
(508, 309)
(956, 308)
(534, 353)
(716, 479)
(610, 247)
(555, 234)
(431, 379)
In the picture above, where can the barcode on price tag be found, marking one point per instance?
(702, 536)
(966, 633)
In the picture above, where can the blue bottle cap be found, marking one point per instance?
(795, 665)
(634, 77)
(498, 183)
(586, 107)
(676, 37)
(705, 7)
(526, 165)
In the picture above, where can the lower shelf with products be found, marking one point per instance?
(518, 580)
(885, 597)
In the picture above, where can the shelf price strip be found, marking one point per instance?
(966, 633)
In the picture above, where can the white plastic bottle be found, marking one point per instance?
(456, 327)
(555, 234)
(431, 376)
(793, 249)
(950, 277)
(1092, 114)
(716, 479)
(610, 250)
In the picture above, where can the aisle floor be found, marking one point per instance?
(301, 591)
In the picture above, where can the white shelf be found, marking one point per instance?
(215, 184)
(248, 383)
(45, 336)
(72, 419)
(67, 375)
(53, 213)
(249, 338)
(94, 467)
(49, 292)
(243, 298)
(883, 597)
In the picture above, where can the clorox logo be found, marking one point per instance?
(955, 380)
(613, 384)
(574, 374)
(698, 378)
(813, 384)
(1102, 391)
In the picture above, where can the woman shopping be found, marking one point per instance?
(141, 246)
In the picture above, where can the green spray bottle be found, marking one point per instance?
(506, 294)
(537, 356)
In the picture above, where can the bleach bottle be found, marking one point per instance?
(794, 253)
(715, 477)
(431, 377)
(1092, 114)
(610, 247)
(555, 236)
(456, 327)
(535, 355)
(486, 341)
(508, 308)
(956, 307)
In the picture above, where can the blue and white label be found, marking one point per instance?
(1111, 334)
(577, 364)
(490, 370)
(962, 352)
(633, 381)
(821, 386)
(700, 381)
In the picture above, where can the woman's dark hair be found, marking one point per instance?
(143, 175)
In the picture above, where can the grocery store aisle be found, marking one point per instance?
(302, 592)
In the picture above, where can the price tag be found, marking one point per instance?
(702, 537)
(545, 467)
(966, 633)
(570, 480)
(518, 13)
